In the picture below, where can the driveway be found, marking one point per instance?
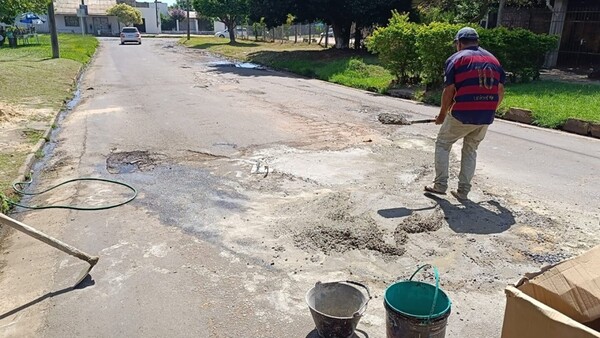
(255, 184)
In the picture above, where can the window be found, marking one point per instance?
(71, 21)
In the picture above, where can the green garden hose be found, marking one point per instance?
(16, 187)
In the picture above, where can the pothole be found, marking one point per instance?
(130, 162)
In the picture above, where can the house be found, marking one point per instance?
(98, 22)
(151, 14)
(198, 25)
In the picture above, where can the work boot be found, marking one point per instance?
(459, 195)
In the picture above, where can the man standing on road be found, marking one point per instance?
(473, 90)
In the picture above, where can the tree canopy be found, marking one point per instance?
(340, 14)
(464, 11)
(229, 12)
(126, 14)
(10, 9)
(183, 4)
(178, 14)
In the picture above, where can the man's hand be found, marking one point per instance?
(440, 118)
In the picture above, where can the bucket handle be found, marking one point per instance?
(363, 308)
(437, 286)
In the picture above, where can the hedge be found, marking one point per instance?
(411, 51)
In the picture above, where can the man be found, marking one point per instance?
(473, 90)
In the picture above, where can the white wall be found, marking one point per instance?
(149, 15)
(61, 26)
(219, 26)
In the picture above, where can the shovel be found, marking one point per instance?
(91, 260)
(387, 118)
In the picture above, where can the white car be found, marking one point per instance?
(225, 33)
(131, 34)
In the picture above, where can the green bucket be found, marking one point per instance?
(416, 309)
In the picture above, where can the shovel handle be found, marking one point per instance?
(423, 121)
(53, 242)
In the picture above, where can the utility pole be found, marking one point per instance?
(188, 19)
(156, 10)
(84, 20)
(53, 34)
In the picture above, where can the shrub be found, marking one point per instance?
(434, 46)
(396, 46)
(520, 51)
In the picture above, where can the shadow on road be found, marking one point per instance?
(486, 217)
(88, 281)
(400, 212)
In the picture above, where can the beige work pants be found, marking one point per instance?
(451, 131)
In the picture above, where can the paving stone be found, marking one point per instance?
(595, 130)
(577, 126)
(519, 115)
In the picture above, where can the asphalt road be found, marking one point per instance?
(191, 256)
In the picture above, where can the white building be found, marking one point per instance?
(151, 14)
(98, 22)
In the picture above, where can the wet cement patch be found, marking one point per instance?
(417, 223)
(131, 161)
(333, 239)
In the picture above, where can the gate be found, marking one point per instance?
(580, 43)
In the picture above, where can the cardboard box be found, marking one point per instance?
(561, 301)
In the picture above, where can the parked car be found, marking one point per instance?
(225, 33)
(330, 33)
(131, 34)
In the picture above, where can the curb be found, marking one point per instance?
(574, 126)
(25, 169)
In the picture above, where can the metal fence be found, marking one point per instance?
(580, 43)
(308, 33)
(580, 40)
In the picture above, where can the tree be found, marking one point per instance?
(466, 11)
(375, 12)
(272, 13)
(126, 14)
(10, 9)
(178, 14)
(340, 14)
(183, 4)
(229, 12)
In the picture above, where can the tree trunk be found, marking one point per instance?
(500, 12)
(53, 34)
(341, 33)
(231, 28)
(357, 38)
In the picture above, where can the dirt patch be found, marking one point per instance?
(416, 223)
(7, 113)
(547, 258)
(131, 161)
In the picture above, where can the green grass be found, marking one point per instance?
(31, 77)
(9, 167)
(349, 68)
(33, 136)
(552, 103)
